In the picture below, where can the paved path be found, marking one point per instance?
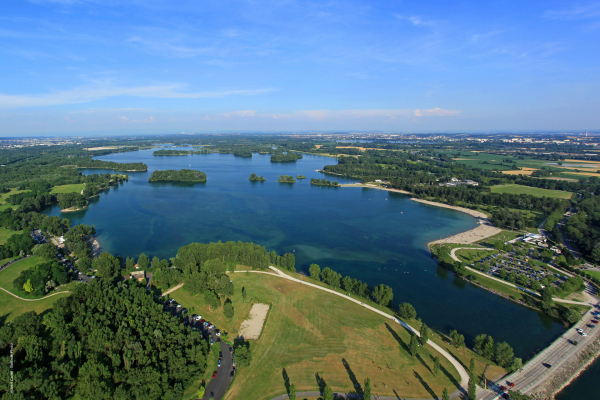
(42, 298)
(557, 299)
(534, 373)
(337, 395)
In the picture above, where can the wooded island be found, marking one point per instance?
(183, 175)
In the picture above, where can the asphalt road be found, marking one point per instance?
(215, 388)
(543, 366)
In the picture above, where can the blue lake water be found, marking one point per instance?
(584, 387)
(369, 234)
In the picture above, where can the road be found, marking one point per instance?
(542, 366)
(216, 388)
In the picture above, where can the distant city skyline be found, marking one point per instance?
(144, 67)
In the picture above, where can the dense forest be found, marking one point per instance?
(288, 157)
(105, 341)
(183, 175)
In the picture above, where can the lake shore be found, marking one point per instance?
(483, 230)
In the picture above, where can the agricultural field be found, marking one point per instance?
(533, 191)
(75, 187)
(309, 332)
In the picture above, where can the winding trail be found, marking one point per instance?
(41, 298)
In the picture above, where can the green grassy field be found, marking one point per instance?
(9, 274)
(76, 187)
(310, 332)
(537, 192)
(595, 274)
(3, 204)
(5, 234)
(470, 255)
(13, 307)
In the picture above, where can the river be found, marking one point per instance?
(369, 234)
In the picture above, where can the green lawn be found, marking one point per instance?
(537, 192)
(13, 307)
(3, 204)
(471, 255)
(5, 234)
(595, 274)
(309, 331)
(75, 187)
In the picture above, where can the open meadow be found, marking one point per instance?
(313, 336)
(76, 187)
(533, 191)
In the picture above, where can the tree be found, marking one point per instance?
(414, 344)
(211, 299)
(571, 315)
(458, 340)
(93, 231)
(27, 286)
(107, 266)
(407, 311)
(516, 364)
(328, 393)
(383, 294)
(143, 261)
(436, 366)
(315, 272)
(47, 251)
(367, 389)
(228, 309)
(243, 352)
(445, 395)
(472, 393)
(292, 394)
(478, 343)
(504, 354)
(472, 367)
(489, 348)
(424, 334)
(244, 293)
(129, 264)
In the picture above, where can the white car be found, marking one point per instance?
(178, 305)
(583, 334)
(579, 330)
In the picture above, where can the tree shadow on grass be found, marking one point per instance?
(355, 384)
(452, 379)
(397, 395)
(425, 385)
(395, 335)
(320, 382)
(286, 380)
(424, 363)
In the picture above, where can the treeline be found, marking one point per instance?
(382, 294)
(323, 182)
(105, 341)
(287, 157)
(583, 227)
(183, 175)
(18, 244)
(501, 354)
(172, 152)
(115, 166)
(41, 279)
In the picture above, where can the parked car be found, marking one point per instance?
(583, 334)
(197, 317)
(214, 374)
(595, 321)
(510, 384)
(219, 363)
(211, 341)
(178, 305)
(218, 333)
(579, 330)
(220, 354)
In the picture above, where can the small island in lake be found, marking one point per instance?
(172, 152)
(323, 182)
(300, 176)
(288, 157)
(183, 175)
(286, 179)
(255, 177)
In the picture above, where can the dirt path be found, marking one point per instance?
(172, 289)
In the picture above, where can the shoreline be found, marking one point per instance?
(483, 230)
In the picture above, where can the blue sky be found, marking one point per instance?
(77, 66)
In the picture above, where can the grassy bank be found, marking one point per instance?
(309, 332)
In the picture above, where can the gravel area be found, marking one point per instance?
(252, 327)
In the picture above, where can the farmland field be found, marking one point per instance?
(537, 192)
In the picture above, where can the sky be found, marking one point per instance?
(152, 66)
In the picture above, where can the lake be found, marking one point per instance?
(369, 234)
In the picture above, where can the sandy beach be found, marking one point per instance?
(484, 230)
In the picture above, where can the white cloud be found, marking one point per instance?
(245, 113)
(87, 94)
(418, 20)
(123, 118)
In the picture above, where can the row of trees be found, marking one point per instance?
(323, 182)
(499, 353)
(41, 279)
